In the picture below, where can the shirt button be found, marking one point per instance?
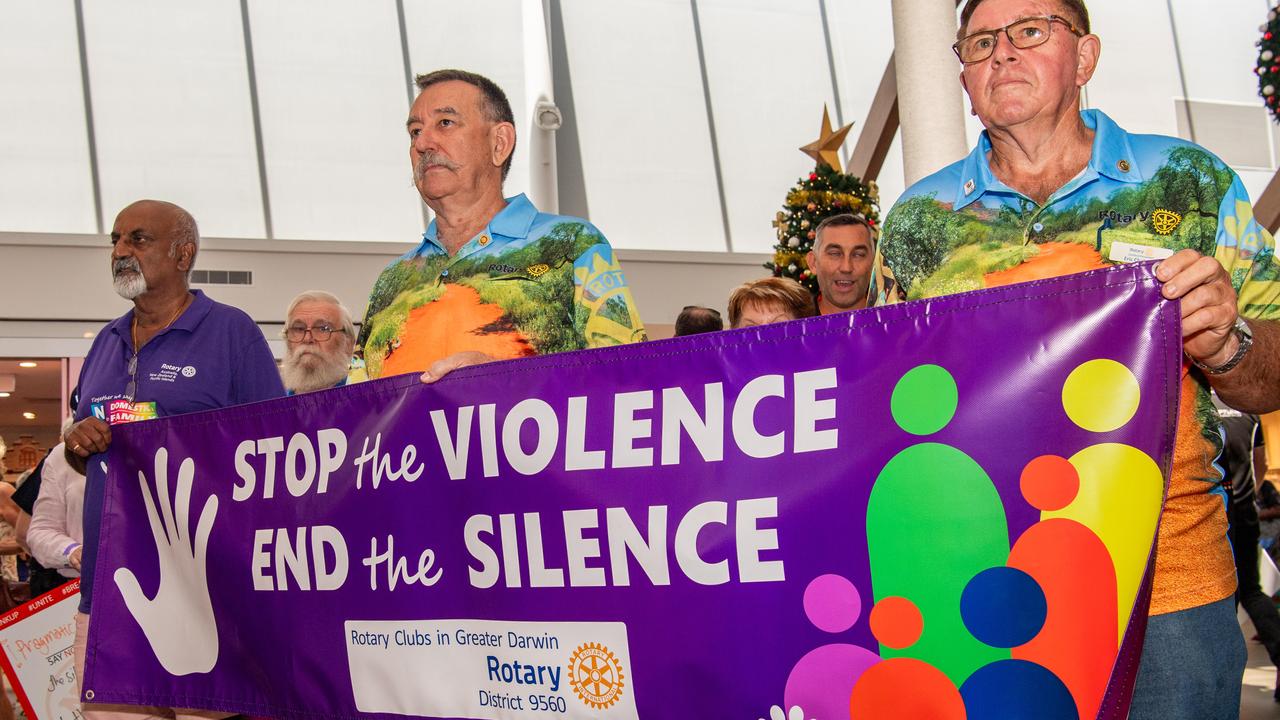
(1038, 227)
(484, 239)
(444, 273)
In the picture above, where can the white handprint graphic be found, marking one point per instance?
(777, 713)
(178, 621)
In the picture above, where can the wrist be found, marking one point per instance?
(1227, 352)
(1233, 350)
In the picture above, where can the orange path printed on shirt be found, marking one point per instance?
(1078, 640)
(450, 324)
(1053, 260)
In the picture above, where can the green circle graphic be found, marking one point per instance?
(924, 400)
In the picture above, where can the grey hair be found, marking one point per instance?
(344, 315)
(184, 231)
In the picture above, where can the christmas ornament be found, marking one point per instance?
(826, 149)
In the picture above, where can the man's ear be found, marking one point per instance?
(502, 140)
(1087, 54)
(186, 256)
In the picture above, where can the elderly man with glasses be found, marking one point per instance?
(319, 337)
(1050, 190)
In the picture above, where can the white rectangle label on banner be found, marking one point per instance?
(491, 670)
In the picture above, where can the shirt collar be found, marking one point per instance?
(191, 317)
(511, 222)
(1111, 156)
(200, 306)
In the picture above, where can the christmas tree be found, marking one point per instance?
(826, 192)
(1268, 68)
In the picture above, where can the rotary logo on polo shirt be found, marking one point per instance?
(170, 373)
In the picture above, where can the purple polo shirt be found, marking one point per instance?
(211, 357)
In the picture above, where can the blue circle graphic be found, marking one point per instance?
(1003, 607)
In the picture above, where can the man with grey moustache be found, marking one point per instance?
(319, 337)
(493, 278)
(176, 351)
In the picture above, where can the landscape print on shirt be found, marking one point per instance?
(561, 288)
(934, 250)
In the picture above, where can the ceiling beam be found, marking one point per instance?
(1267, 209)
(879, 129)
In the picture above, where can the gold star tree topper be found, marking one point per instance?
(826, 149)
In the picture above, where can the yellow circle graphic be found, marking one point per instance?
(1100, 395)
(595, 674)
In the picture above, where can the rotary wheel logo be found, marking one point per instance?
(537, 270)
(595, 674)
(1165, 221)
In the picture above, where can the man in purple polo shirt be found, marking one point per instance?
(175, 352)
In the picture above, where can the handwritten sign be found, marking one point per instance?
(37, 654)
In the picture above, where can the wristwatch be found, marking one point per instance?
(1245, 335)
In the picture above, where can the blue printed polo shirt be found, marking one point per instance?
(530, 283)
(1141, 197)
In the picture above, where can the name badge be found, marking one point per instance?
(123, 411)
(1123, 252)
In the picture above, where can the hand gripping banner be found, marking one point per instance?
(941, 509)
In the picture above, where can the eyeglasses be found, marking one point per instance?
(319, 333)
(131, 390)
(1023, 34)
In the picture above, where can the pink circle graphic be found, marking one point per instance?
(832, 603)
(823, 680)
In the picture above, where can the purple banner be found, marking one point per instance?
(940, 509)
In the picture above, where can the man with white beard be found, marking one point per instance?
(176, 351)
(319, 336)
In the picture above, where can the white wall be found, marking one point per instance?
(57, 287)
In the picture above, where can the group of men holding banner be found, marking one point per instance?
(1042, 183)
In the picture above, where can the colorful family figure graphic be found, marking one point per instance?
(969, 627)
